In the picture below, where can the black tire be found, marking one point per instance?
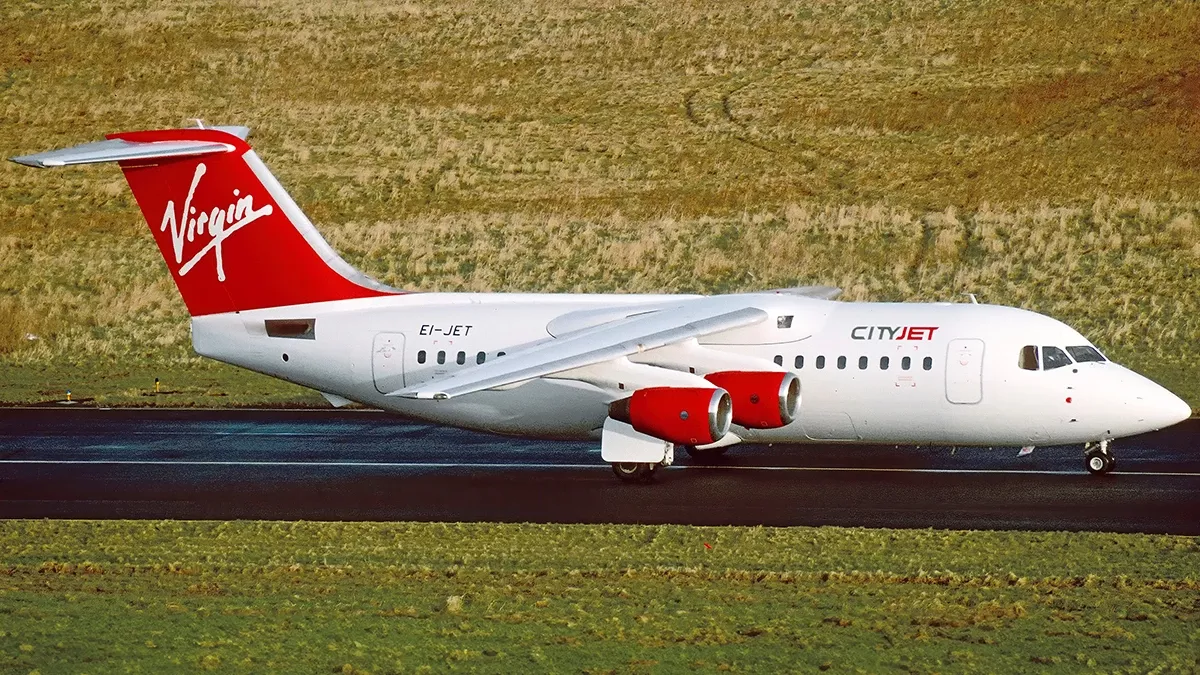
(705, 454)
(634, 472)
(1099, 463)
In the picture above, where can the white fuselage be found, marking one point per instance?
(616, 367)
(870, 372)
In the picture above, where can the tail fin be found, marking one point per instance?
(232, 237)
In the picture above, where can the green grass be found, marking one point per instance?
(121, 381)
(352, 597)
(1040, 156)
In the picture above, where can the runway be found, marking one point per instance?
(364, 465)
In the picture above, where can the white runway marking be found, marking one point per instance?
(919, 470)
(192, 433)
(386, 465)
(509, 465)
(236, 433)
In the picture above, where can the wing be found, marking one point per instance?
(818, 292)
(595, 345)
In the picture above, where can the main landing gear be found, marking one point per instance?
(635, 472)
(705, 454)
(643, 472)
(1099, 459)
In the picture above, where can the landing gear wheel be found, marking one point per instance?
(634, 472)
(704, 454)
(1099, 462)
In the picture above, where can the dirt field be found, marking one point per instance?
(1042, 157)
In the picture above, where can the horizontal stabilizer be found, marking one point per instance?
(120, 150)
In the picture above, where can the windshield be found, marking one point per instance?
(1053, 357)
(1028, 358)
(1084, 353)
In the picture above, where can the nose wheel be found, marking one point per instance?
(1099, 460)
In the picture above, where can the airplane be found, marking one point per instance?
(643, 374)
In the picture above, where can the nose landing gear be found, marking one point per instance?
(1099, 459)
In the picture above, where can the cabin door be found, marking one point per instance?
(964, 371)
(387, 362)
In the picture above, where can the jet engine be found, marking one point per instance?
(761, 400)
(681, 415)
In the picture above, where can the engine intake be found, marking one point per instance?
(761, 400)
(681, 415)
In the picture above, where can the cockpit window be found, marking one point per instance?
(1028, 360)
(1053, 357)
(1085, 353)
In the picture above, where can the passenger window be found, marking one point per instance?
(1085, 353)
(481, 357)
(884, 362)
(784, 321)
(1028, 359)
(499, 354)
(905, 363)
(778, 360)
(1053, 357)
(799, 362)
(421, 356)
(441, 358)
(862, 363)
(841, 363)
(462, 358)
(927, 364)
(820, 362)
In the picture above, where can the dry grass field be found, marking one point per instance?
(1040, 156)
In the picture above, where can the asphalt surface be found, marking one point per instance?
(361, 465)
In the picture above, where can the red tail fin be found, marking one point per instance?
(232, 237)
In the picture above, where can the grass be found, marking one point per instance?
(370, 597)
(121, 381)
(1040, 156)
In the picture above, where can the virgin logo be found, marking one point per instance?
(218, 224)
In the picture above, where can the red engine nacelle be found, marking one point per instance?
(684, 416)
(761, 400)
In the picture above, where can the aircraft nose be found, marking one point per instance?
(1174, 409)
(1158, 408)
(1135, 404)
